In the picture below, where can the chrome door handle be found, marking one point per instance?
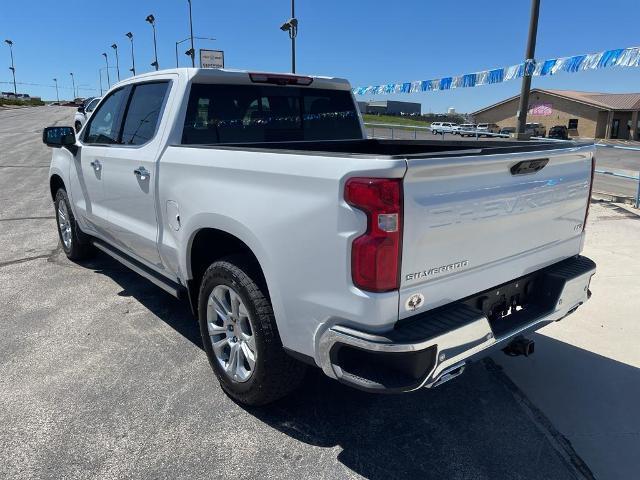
(97, 166)
(142, 173)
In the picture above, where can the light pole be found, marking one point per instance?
(188, 52)
(57, 96)
(152, 20)
(115, 47)
(291, 26)
(528, 62)
(133, 60)
(73, 82)
(12, 67)
(193, 52)
(106, 60)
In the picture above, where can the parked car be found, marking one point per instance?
(559, 131)
(507, 130)
(84, 111)
(535, 129)
(487, 128)
(385, 263)
(466, 129)
(443, 127)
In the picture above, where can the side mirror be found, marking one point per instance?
(58, 137)
(81, 109)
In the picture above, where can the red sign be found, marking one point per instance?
(541, 109)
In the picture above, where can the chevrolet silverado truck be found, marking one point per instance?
(256, 197)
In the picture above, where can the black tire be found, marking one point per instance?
(275, 373)
(79, 246)
(78, 126)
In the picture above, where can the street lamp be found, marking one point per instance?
(191, 52)
(133, 60)
(12, 67)
(152, 20)
(73, 82)
(106, 60)
(115, 47)
(291, 26)
(57, 96)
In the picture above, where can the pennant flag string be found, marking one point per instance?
(620, 57)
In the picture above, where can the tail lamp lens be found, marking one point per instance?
(375, 255)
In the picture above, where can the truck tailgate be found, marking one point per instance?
(474, 222)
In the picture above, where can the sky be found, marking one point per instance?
(367, 42)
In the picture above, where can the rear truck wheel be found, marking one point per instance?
(75, 243)
(78, 126)
(240, 335)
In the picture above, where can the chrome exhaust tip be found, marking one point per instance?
(449, 374)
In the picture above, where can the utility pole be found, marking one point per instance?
(133, 60)
(106, 59)
(115, 47)
(193, 52)
(57, 96)
(291, 26)
(73, 82)
(12, 67)
(523, 107)
(152, 20)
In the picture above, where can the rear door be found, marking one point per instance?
(131, 170)
(472, 223)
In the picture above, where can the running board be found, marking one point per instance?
(167, 285)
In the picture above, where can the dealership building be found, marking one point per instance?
(585, 114)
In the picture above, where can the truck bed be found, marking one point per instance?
(392, 149)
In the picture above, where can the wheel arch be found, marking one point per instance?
(55, 183)
(207, 245)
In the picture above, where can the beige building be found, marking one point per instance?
(585, 114)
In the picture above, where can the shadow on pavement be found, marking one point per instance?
(470, 428)
(591, 399)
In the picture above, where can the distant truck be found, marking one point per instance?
(84, 111)
(389, 264)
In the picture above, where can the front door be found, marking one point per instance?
(88, 173)
(131, 171)
(615, 128)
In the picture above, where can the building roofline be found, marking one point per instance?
(558, 94)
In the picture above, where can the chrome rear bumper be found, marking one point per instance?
(437, 346)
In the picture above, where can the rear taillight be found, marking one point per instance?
(586, 213)
(279, 79)
(375, 255)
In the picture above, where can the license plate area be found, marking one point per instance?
(512, 305)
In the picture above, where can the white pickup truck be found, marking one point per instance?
(389, 264)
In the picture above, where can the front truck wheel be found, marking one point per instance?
(240, 335)
(75, 243)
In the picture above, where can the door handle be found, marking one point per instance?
(97, 166)
(142, 173)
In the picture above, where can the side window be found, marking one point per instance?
(143, 113)
(103, 125)
(92, 104)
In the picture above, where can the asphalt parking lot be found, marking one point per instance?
(102, 374)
